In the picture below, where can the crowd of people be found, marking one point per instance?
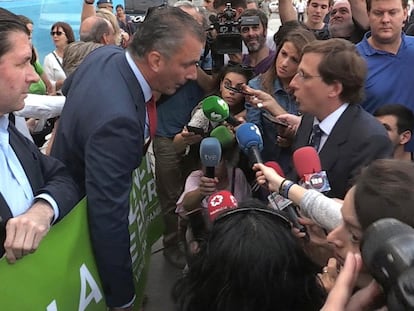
(335, 78)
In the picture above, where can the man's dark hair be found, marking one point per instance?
(404, 4)
(164, 30)
(234, 3)
(25, 19)
(341, 63)
(405, 117)
(9, 23)
(253, 12)
(385, 190)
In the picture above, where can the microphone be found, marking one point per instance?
(250, 141)
(210, 154)
(308, 166)
(199, 121)
(224, 136)
(280, 203)
(217, 110)
(219, 202)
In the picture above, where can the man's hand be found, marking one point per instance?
(24, 232)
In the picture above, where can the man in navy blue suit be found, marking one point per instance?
(104, 124)
(35, 190)
(328, 86)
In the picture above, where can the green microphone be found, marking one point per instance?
(217, 110)
(224, 136)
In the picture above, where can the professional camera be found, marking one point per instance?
(388, 251)
(227, 39)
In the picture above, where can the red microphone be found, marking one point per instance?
(276, 167)
(219, 202)
(308, 166)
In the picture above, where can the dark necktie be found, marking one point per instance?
(315, 140)
(152, 116)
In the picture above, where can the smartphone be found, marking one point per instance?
(274, 120)
(237, 90)
(196, 130)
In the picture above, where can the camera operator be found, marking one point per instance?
(253, 30)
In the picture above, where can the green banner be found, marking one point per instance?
(62, 274)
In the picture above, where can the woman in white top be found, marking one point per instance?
(62, 34)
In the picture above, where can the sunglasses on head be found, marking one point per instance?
(57, 33)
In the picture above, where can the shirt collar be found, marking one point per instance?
(4, 134)
(146, 89)
(329, 122)
(369, 50)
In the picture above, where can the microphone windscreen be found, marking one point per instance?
(276, 167)
(215, 108)
(199, 120)
(210, 152)
(224, 136)
(248, 135)
(219, 202)
(306, 161)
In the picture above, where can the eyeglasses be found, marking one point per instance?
(57, 33)
(304, 76)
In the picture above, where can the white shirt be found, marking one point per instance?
(53, 69)
(328, 123)
(14, 184)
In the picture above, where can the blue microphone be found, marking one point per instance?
(210, 154)
(250, 141)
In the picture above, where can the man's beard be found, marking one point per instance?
(341, 30)
(257, 46)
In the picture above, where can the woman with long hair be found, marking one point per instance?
(271, 95)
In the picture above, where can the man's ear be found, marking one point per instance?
(405, 137)
(154, 59)
(335, 89)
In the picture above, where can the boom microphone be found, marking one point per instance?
(250, 141)
(210, 154)
(217, 110)
(308, 166)
(219, 202)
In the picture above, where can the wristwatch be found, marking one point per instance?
(89, 2)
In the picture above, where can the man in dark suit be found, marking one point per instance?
(35, 190)
(329, 83)
(103, 126)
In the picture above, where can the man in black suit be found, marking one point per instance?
(329, 83)
(104, 123)
(35, 190)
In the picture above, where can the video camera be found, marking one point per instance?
(228, 39)
(388, 251)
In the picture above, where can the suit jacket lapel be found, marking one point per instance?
(339, 135)
(304, 131)
(26, 156)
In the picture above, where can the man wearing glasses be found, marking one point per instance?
(328, 86)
